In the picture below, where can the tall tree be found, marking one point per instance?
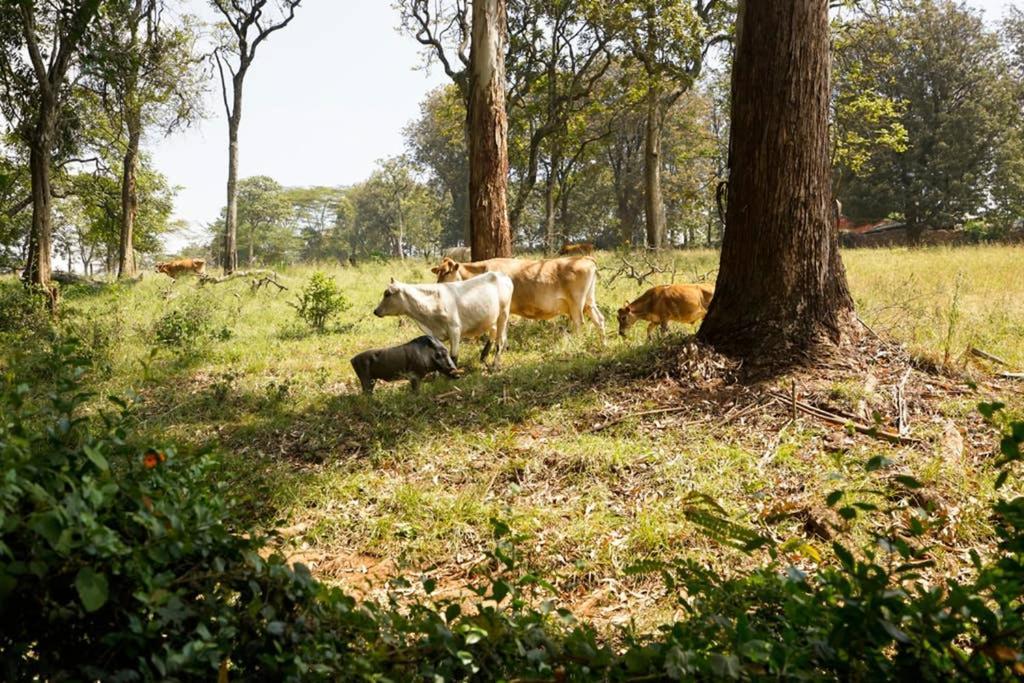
(144, 67)
(943, 69)
(51, 36)
(670, 40)
(248, 24)
(781, 285)
(488, 133)
(564, 55)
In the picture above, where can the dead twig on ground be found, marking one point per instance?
(261, 278)
(643, 271)
(840, 420)
(987, 356)
(902, 416)
(622, 418)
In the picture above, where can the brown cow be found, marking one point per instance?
(182, 266)
(658, 305)
(581, 249)
(543, 289)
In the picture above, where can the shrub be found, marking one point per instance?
(319, 301)
(22, 309)
(121, 563)
(189, 325)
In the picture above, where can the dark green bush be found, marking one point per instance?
(189, 324)
(22, 309)
(120, 562)
(319, 301)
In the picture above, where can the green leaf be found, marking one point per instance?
(847, 513)
(92, 588)
(843, 554)
(97, 458)
(990, 409)
(876, 463)
(833, 498)
(908, 481)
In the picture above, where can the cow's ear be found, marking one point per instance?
(435, 270)
(392, 280)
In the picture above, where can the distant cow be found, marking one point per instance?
(658, 305)
(453, 311)
(459, 254)
(412, 361)
(580, 249)
(182, 266)
(544, 289)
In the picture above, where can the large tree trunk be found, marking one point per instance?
(129, 200)
(488, 133)
(38, 268)
(653, 203)
(781, 285)
(231, 212)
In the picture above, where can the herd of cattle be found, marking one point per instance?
(476, 299)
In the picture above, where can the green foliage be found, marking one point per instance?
(22, 310)
(188, 325)
(119, 561)
(320, 300)
(924, 109)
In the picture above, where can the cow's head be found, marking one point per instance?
(391, 303)
(626, 319)
(448, 271)
(161, 267)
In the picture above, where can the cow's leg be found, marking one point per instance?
(500, 333)
(576, 316)
(650, 329)
(454, 338)
(664, 327)
(486, 349)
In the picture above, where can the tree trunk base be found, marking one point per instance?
(769, 347)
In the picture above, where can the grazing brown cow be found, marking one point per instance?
(581, 249)
(544, 289)
(658, 305)
(182, 266)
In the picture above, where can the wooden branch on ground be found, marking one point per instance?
(1011, 375)
(623, 418)
(839, 420)
(988, 356)
(640, 272)
(260, 278)
(902, 416)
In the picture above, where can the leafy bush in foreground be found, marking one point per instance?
(119, 563)
(319, 301)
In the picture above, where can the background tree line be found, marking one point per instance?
(618, 128)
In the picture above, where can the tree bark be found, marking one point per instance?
(654, 204)
(231, 212)
(488, 133)
(550, 225)
(40, 162)
(781, 286)
(129, 199)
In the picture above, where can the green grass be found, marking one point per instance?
(417, 477)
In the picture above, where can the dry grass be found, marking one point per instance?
(413, 480)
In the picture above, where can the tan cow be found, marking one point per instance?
(544, 289)
(183, 266)
(580, 249)
(658, 305)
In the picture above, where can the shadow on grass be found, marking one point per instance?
(270, 441)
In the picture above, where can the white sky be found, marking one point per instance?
(325, 98)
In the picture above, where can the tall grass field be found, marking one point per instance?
(396, 482)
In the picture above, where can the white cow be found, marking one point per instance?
(454, 311)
